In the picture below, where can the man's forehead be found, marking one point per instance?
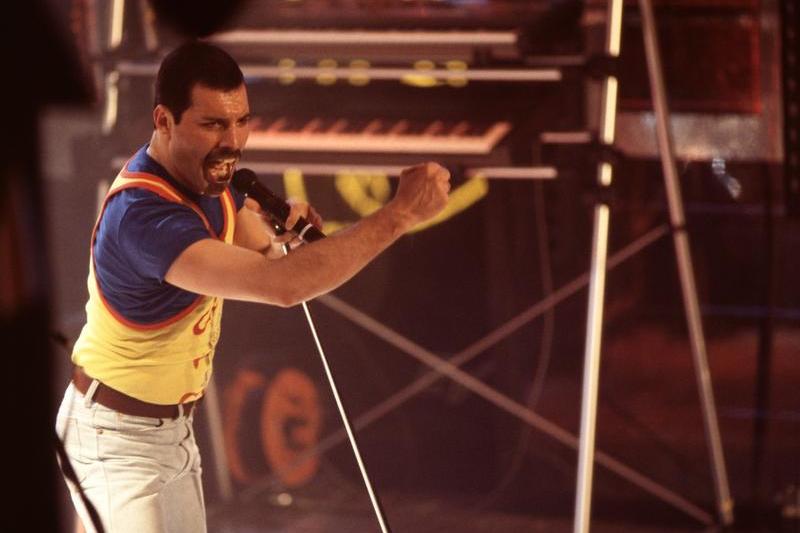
(206, 99)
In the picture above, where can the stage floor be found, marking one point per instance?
(405, 514)
(414, 514)
(650, 418)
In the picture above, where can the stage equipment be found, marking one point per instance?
(598, 268)
(310, 54)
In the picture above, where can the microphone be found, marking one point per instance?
(246, 182)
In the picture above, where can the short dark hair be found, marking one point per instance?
(192, 63)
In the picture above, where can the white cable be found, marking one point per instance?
(372, 496)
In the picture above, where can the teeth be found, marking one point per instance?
(221, 169)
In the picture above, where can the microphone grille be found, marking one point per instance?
(243, 179)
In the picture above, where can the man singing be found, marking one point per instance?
(172, 241)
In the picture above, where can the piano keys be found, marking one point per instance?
(377, 135)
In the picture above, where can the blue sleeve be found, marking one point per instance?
(153, 232)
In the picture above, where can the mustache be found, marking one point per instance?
(223, 153)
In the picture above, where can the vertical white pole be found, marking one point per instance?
(594, 314)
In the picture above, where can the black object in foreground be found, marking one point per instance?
(246, 182)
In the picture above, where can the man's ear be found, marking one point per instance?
(163, 121)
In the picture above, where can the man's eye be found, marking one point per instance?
(244, 121)
(212, 125)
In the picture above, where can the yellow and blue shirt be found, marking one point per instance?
(143, 336)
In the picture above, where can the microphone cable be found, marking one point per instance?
(373, 496)
(63, 459)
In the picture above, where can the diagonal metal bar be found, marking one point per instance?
(476, 348)
(449, 368)
(683, 260)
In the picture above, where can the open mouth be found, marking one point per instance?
(221, 170)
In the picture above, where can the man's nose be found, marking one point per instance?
(233, 138)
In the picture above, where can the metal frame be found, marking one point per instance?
(683, 260)
(594, 314)
(596, 281)
(450, 368)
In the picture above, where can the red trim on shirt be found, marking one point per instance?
(144, 177)
(143, 181)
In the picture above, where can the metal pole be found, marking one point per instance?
(594, 314)
(591, 371)
(684, 262)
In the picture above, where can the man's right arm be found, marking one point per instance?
(213, 268)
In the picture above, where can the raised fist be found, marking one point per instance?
(422, 192)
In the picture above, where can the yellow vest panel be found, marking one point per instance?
(164, 363)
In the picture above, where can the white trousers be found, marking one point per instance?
(142, 474)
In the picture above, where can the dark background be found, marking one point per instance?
(448, 286)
